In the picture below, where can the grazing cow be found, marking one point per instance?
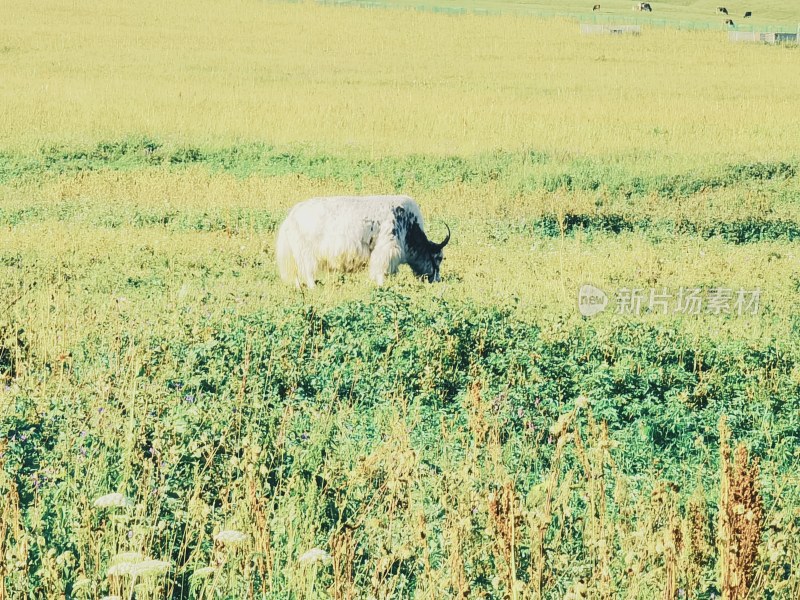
(345, 233)
(730, 23)
(748, 14)
(722, 10)
(643, 6)
(596, 7)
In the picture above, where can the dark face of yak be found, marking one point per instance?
(424, 256)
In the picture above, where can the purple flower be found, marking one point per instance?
(189, 398)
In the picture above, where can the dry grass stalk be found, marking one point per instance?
(672, 546)
(741, 518)
(343, 550)
(598, 535)
(540, 519)
(503, 517)
(459, 582)
(12, 539)
(261, 509)
(476, 410)
(697, 549)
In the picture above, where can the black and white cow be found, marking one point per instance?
(346, 233)
(722, 10)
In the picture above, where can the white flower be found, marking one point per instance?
(230, 537)
(203, 572)
(111, 598)
(315, 555)
(150, 567)
(120, 569)
(581, 402)
(136, 565)
(132, 557)
(115, 500)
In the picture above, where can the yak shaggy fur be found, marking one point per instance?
(346, 233)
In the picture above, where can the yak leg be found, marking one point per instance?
(384, 261)
(306, 269)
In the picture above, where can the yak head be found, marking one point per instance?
(424, 256)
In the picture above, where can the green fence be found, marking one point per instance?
(603, 19)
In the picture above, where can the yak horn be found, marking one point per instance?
(446, 239)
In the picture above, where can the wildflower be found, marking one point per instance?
(150, 567)
(81, 583)
(315, 555)
(111, 598)
(581, 402)
(203, 572)
(127, 557)
(561, 424)
(230, 537)
(136, 565)
(113, 500)
(122, 568)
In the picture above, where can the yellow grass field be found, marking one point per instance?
(380, 82)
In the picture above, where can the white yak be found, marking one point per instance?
(345, 233)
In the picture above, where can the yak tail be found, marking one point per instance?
(287, 266)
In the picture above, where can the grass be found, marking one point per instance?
(477, 438)
(297, 74)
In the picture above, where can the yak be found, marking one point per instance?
(346, 233)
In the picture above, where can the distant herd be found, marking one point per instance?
(645, 6)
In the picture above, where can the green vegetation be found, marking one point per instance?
(298, 426)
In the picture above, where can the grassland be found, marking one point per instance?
(477, 438)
